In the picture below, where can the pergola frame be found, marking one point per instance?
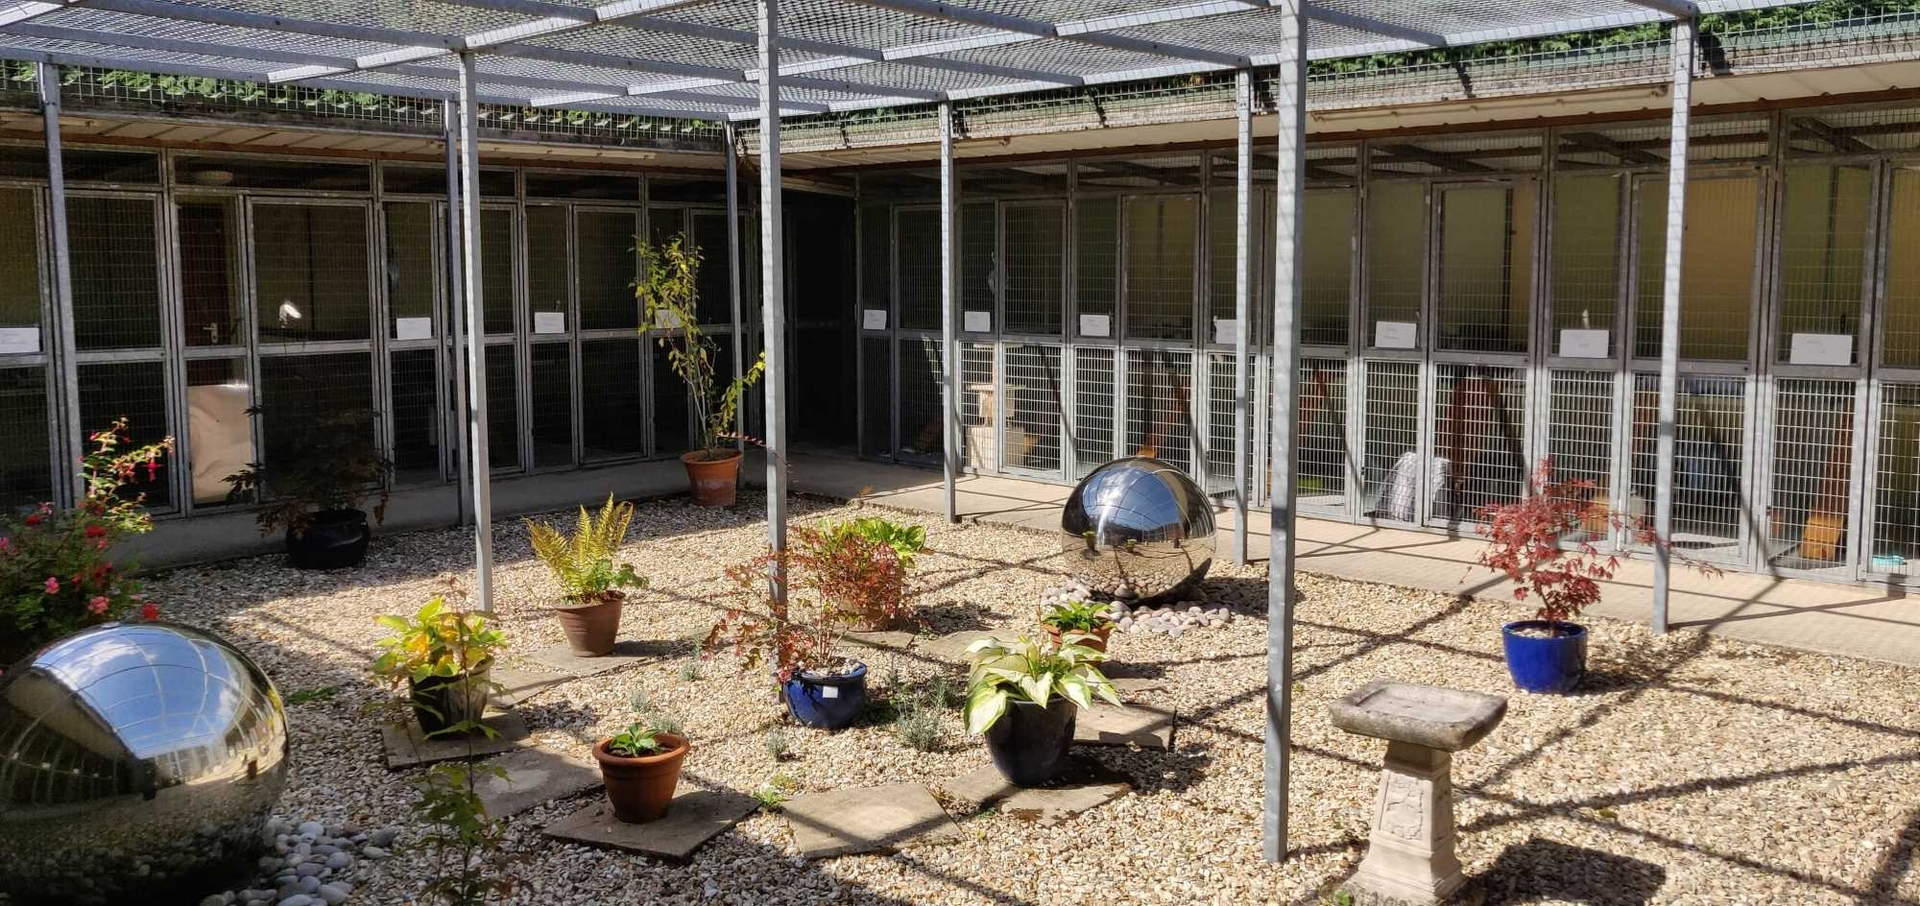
(976, 53)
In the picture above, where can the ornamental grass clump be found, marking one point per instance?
(56, 573)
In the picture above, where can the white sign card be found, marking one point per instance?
(413, 328)
(979, 322)
(1579, 343)
(1821, 349)
(1096, 325)
(829, 691)
(1226, 330)
(666, 319)
(549, 322)
(873, 319)
(1396, 335)
(19, 340)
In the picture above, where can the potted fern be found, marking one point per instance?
(668, 288)
(592, 586)
(641, 764)
(1024, 697)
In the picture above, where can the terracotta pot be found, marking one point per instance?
(713, 480)
(1098, 642)
(593, 629)
(642, 788)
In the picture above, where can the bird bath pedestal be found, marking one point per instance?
(1410, 857)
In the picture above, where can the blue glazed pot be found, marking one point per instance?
(1552, 664)
(827, 702)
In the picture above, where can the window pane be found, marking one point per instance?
(410, 265)
(210, 271)
(1902, 342)
(607, 267)
(1159, 412)
(665, 223)
(979, 277)
(1036, 267)
(1326, 278)
(136, 391)
(610, 378)
(547, 263)
(1723, 229)
(1035, 400)
(26, 469)
(1223, 234)
(1486, 267)
(1160, 251)
(20, 262)
(299, 393)
(917, 258)
(310, 267)
(670, 432)
(552, 389)
(1096, 253)
(268, 173)
(496, 269)
(503, 408)
(116, 282)
(1823, 251)
(219, 430)
(1396, 254)
(1586, 255)
(417, 425)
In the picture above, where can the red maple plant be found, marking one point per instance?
(834, 579)
(1524, 542)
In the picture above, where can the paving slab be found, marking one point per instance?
(1137, 724)
(1134, 685)
(953, 645)
(518, 685)
(878, 819)
(695, 817)
(887, 639)
(560, 659)
(1086, 785)
(407, 745)
(534, 777)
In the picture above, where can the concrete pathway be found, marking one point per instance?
(1868, 621)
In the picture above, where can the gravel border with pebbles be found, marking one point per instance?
(1689, 769)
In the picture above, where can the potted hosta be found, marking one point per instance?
(313, 486)
(669, 290)
(592, 586)
(444, 657)
(863, 564)
(1024, 696)
(641, 764)
(799, 638)
(1541, 544)
(56, 577)
(1082, 622)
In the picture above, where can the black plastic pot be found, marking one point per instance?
(334, 539)
(440, 702)
(1029, 743)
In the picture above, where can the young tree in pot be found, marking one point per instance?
(592, 585)
(1084, 620)
(669, 290)
(445, 658)
(1528, 540)
(641, 765)
(312, 488)
(1025, 697)
(862, 564)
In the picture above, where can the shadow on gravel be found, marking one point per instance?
(1541, 869)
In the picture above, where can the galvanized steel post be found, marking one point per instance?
(65, 349)
(733, 282)
(456, 309)
(1683, 40)
(476, 334)
(949, 291)
(1290, 102)
(772, 284)
(1242, 307)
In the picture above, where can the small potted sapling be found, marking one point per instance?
(1081, 622)
(444, 657)
(1541, 544)
(669, 291)
(641, 764)
(313, 486)
(1025, 697)
(592, 586)
(863, 563)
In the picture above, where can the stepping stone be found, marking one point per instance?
(408, 746)
(560, 659)
(890, 640)
(1086, 785)
(953, 646)
(535, 776)
(517, 685)
(695, 817)
(1137, 724)
(1134, 685)
(880, 819)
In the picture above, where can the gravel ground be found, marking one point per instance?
(1689, 770)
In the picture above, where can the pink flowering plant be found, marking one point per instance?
(56, 573)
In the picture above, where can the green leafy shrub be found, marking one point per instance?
(435, 641)
(1025, 670)
(327, 463)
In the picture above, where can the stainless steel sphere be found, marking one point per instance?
(139, 762)
(1138, 529)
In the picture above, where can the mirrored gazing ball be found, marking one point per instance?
(139, 762)
(1138, 529)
